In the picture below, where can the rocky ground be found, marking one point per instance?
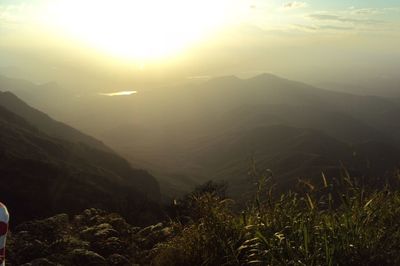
(93, 237)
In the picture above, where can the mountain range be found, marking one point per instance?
(48, 167)
(216, 130)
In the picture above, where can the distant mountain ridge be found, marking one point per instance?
(42, 174)
(173, 131)
(217, 120)
(47, 124)
(292, 154)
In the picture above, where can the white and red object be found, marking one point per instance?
(4, 218)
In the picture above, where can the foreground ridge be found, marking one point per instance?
(333, 225)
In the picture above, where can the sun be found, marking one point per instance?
(147, 29)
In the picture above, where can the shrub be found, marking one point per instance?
(339, 224)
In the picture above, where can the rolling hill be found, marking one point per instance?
(188, 134)
(43, 174)
(47, 124)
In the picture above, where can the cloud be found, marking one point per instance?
(366, 11)
(203, 77)
(333, 27)
(336, 18)
(392, 9)
(305, 27)
(314, 28)
(16, 14)
(372, 11)
(294, 5)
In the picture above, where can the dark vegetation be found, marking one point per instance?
(289, 216)
(42, 175)
(342, 222)
(46, 124)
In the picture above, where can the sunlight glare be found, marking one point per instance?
(150, 29)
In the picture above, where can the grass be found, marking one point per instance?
(340, 223)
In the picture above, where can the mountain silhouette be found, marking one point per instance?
(42, 174)
(190, 133)
(47, 124)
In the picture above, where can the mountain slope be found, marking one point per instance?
(183, 121)
(42, 175)
(291, 153)
(47, 124)
(169, 129)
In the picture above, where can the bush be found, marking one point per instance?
(213, 238)
(339, 224)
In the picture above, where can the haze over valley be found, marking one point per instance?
(190, 133)
(225, 132)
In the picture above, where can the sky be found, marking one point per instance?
(110, 41)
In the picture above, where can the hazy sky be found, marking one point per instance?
(121, 39)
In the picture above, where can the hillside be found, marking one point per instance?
(42, 175)
(47, 124)
(291, 154)
(172, 131)
(226, 121)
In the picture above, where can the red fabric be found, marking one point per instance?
(3, 228)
